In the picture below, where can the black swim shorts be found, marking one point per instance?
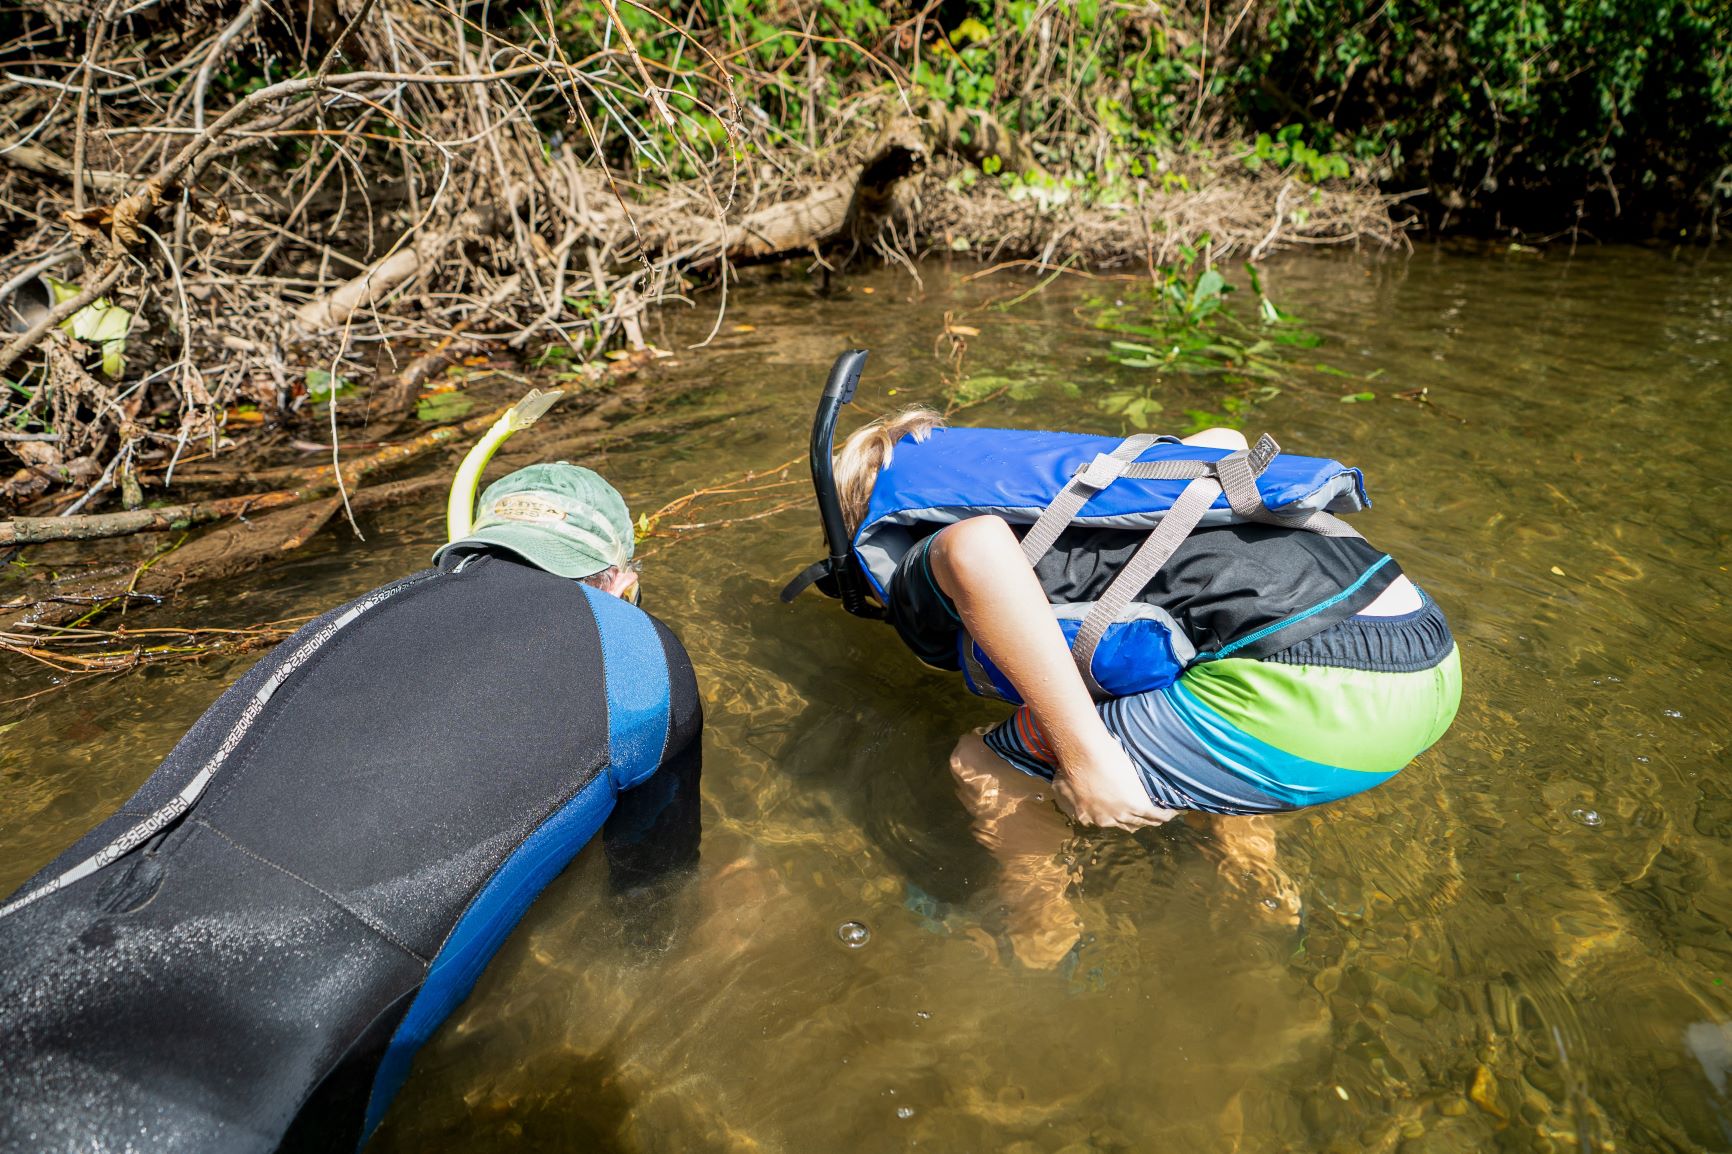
(924, 617)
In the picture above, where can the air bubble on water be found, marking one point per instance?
(905, 1112)
(923, 1015)
(1642, 759)
(1584, 816)
(853, 934)
(1673, 713)
(1271, 904)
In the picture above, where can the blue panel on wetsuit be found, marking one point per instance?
(637, 688)
(638, 708)
(481, 931)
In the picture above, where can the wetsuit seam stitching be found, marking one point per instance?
(330, 897)
(254, 739)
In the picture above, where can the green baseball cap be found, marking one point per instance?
(559, 517)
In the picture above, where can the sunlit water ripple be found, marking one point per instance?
(1480, 964)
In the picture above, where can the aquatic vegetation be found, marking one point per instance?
(1184, 323)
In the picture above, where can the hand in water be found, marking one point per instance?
(1104, 789)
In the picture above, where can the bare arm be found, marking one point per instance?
(979, 564)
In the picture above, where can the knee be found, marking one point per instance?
(1231, 440)
(971, 763)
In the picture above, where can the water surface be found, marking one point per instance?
(1521, 943)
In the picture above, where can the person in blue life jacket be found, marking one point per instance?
(249, 953)
(1185, 626)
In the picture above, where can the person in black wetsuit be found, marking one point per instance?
(252, 949)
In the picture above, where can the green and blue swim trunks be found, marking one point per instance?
(1331, 714)
(1327, 718)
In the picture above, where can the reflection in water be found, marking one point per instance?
(1476, 968)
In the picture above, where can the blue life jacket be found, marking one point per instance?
(958, 473)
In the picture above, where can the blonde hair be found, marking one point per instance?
(867, 452)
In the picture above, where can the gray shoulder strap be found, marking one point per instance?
(1166, 537)
(1085, 483)
(1235, 475)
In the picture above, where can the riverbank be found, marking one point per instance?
(222, 228)
(241, 229)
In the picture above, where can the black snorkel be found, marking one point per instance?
(838, 575)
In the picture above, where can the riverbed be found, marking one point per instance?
(1519, 943)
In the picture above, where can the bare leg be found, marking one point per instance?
(1014, 818)
(1247, 849)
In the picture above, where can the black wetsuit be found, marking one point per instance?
(377, 824)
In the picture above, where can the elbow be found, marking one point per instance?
(973, 553)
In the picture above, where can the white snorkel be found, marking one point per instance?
(460, 506)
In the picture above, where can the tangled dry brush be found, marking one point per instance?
(217, 212)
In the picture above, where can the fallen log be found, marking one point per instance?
(975, 134)
(389, 273)
(852, 206)
(855, 206)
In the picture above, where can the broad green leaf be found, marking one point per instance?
(1210, 284)
(443, 407)
(321, 385)
(106, 322)
(64, 290)
(970, 31)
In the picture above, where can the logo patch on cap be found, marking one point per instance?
(525, 507)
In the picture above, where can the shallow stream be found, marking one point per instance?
(1520, 943)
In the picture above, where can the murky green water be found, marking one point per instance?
(1480, 966)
